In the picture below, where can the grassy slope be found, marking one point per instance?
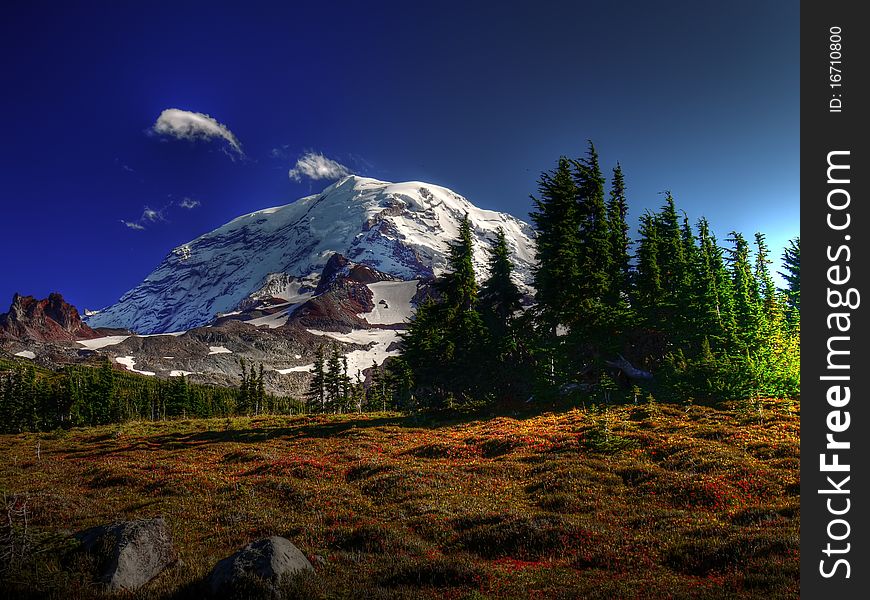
(643, 502)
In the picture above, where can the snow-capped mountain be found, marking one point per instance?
(400, 229)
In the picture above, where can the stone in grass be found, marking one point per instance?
(129, 554)
(268, 560)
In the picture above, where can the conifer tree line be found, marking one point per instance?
(706, 320)
(36, 399)
(333, 390)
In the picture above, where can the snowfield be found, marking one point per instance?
(109, 340)
(392, 300)
(300, 369)
(129, 362)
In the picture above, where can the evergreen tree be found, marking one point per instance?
(499, 303)
(648, 280)
(179, 398)
(315, 398)
(557, 246)
(459, 285)
(243, 399)
(689, 334)
(594, 238)
(499, 296)
(714, 318)
(424, 350)
(334, 382)
(747, 314)
(672, 265)
(260, 392)
(791, 264)
(766, 291)
(103, 394)
(620, 242)
(445, 342)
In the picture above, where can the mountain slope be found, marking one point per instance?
(400, 229)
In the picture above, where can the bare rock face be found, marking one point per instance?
(130, 553)
(49, 320)
(264, 562)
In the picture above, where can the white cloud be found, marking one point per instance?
(187, 125)
(133, 225)
(314, 165)
(189, 203)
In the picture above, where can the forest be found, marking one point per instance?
(672, 314)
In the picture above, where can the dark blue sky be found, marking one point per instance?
(699, 98)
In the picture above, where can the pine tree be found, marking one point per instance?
(445, 341)
(747, 314)
(315, 397)
(104, 393)
(500, 300)
(374, 394)
(557, 246)
(673, 267)
(465, 334)
(648, 280)
(712, 308)
(459, 285)
(595, 241)
(334, 382)
(766, 292)
(791, 264)
(424, 350)
(689, 333)
(499, 296)
(620, 242)
(261, 392)
(243, 398)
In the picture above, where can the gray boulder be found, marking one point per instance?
(264, 562)
(129, 554)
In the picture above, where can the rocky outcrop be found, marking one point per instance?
(341, 271)
(49, 320)
(265, 562)
(129, 554)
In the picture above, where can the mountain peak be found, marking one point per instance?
(399, 229)
(52, 319)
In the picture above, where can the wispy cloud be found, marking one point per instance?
(189, 203)
(188, 125)
(313, 165)
(150, 215)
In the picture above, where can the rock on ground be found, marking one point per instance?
(269, 560)
(130, 553)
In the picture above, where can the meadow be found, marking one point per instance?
(633, 501)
